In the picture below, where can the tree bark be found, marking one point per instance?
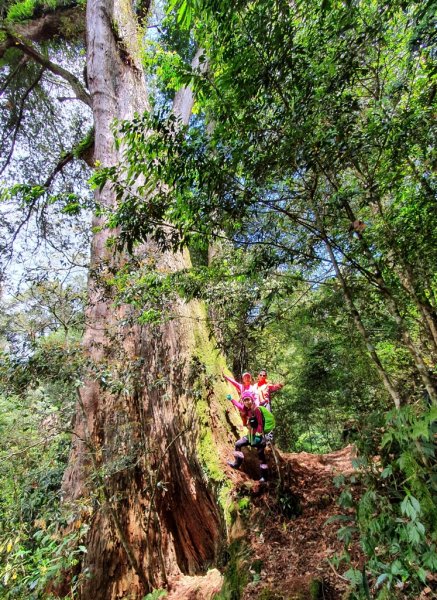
(149, 425)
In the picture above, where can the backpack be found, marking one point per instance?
(269, 421)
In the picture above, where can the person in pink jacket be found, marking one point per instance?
(241, 387)
(252, 417)
(242, 405)
(264, 389)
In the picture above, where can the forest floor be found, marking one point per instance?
(288, 546)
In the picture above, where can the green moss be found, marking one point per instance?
(244, 506)
(316, 589)
(160, 593)
(209, 457)
(205, 377)
(225, 502)
(236, 575)
(207, 448)
(212, 359)
(85, 144)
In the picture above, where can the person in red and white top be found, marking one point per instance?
(264, 389)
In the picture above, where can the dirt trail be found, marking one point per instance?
(295, 550)
(289, 543)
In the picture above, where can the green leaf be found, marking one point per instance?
(345, 534)
(410, 507)
(336, 518)
(380, 580)
(430, 560)
(413, 533)
(354, 576)
(387, 472)
(397, 568)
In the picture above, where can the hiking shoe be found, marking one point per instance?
(233, 465)
(262, 480)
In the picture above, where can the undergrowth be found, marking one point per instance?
(396, 516)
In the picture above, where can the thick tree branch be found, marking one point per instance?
(27, 48)
(84, 151)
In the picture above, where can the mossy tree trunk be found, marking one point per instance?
(149, 423)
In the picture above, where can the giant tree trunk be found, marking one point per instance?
(148, 426)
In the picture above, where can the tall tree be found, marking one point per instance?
(149, 426)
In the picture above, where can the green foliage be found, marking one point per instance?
(236, 574)
(150, 292)
(33, 453)
(303, 160)
(166, 64)
(21, 10)
(28, 9)
(313, 132)
(30, 196)
(29, 565)
(397, 514)
(39, 369)
(284, 171)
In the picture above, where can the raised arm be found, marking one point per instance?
(274, 387)
(238, 386)
(239, 405)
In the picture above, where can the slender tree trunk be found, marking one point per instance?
(395, 312)
(148, 428)
(362, 330)
(406, 337)
(426, 309)
(407, 281)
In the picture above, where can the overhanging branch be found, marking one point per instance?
(13, 40)
(84, 151)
